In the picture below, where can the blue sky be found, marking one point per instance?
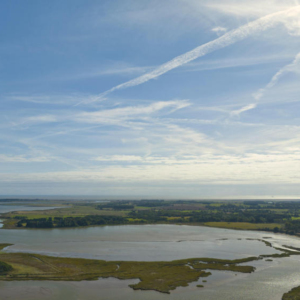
(158, 99)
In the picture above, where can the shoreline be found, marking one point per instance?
(144, 224)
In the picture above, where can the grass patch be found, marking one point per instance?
(77, 211)
(243, 225)
(135, 220)
(177, 218)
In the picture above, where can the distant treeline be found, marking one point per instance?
(208, 216)
(248, 216)
(147, 203)
(125, 205)
(116, 206)
(17, 200)
(151, 203)
(71, 221)
(292, 227)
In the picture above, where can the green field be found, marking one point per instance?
(243, 225)
(70, 211)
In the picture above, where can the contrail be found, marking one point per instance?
(261, 92)
(288, 68)
(227, 39)
(243, 109)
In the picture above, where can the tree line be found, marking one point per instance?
(59, 222)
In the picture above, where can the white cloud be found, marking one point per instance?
(120, 69)
(219, 30)
(293, 26)
(243, 109)
(42, 119)
(248, 8)
(240, 61)
(50, 99)
(119, 158)
(129, 112)
(21, 159)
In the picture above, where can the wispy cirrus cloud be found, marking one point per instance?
(129, 112)
(247, 8)
(119, 158)
(286, 17)
(219, 30)
(243, 109)
(46, 99)
(116, 69)
(42, 119)
(236, 62)
(22, 159)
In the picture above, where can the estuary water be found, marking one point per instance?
(156, 243)
(142, 242)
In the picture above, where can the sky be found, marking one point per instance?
(173, 99)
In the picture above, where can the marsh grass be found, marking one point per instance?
(159, 276)
(243, 225)
(70, 211)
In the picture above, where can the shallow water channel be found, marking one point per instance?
(156, 243)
